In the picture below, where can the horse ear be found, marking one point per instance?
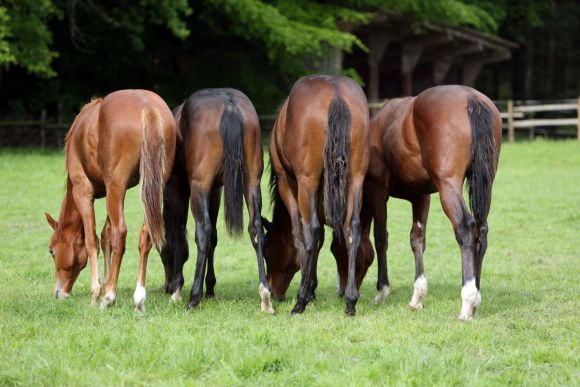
(53, 223)
(267, 224)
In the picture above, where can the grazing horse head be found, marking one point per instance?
(282, 259)
(67, 248)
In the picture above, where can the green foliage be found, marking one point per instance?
(525, 333)
(25, 38)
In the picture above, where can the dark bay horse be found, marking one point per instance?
(282, 258)
(115, 142)
(433, 143)
(222, 146)
(319, 155)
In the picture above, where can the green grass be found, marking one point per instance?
(526, 331)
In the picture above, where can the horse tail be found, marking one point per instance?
(151, 172)
(232, 134)
(484, 157)
(336, 160)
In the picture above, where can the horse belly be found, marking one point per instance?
(411, 179)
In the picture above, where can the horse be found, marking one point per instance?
(116, 142)
(283, 261)
(318, 152)
(222, 146)
(434, 142)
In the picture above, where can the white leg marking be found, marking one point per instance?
(62, 295)
(176, 296)
(108, 300)
(419, 291)
(139, 297)
(419, 225)
(469, 299)
(95, 291)
(382, 294)
(266, 305)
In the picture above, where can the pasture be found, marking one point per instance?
(526, 331)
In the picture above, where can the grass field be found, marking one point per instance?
(526, 331)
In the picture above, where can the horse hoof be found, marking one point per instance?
(382, 294)
(192, 304)
(350, 311)
(298, 309)
(176, 297)
(415, 305)
(209, 294)
(107, 301)
(266, 305)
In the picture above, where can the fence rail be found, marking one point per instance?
(516, 115)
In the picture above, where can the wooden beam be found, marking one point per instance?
(410, 57)
(378, 42)
(470, 72)
(441, 69)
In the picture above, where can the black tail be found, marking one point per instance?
(336, 158)
(232, 132)
(484, 158)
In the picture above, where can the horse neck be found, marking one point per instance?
(70, 218)
(280, 216)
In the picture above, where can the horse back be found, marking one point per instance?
(122, 120)
(200, 124)
(303, 122)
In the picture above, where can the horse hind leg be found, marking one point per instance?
(353, 234)
(418, 245)
(145, 245)
(463, 225)
(203, 231)
(214, 206)
(307, 194)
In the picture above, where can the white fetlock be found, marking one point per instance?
(469, 298)
(139, 298)
(176, 296)
(108, 300)
(95, 292)
(382, 294)
(266, 305)
(419, 291)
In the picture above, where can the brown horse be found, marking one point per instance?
(318, 150)
(222, 146)
(126, 138)
(433, 143)
(282, 256)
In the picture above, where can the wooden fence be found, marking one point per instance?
(536, 117)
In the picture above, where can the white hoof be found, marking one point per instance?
(419, 291)
(62, 295)
(139, 298)
(470, 299)
(108, 300)
(382, 294)
(266, 305)
(176, 296)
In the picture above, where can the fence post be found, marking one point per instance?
(43, 128)
(510, 107)
(578, 115)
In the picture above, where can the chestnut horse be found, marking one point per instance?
(115, 142)
(222, 146)
(318, 149)
(433, 143)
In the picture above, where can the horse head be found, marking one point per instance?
(69, 254)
